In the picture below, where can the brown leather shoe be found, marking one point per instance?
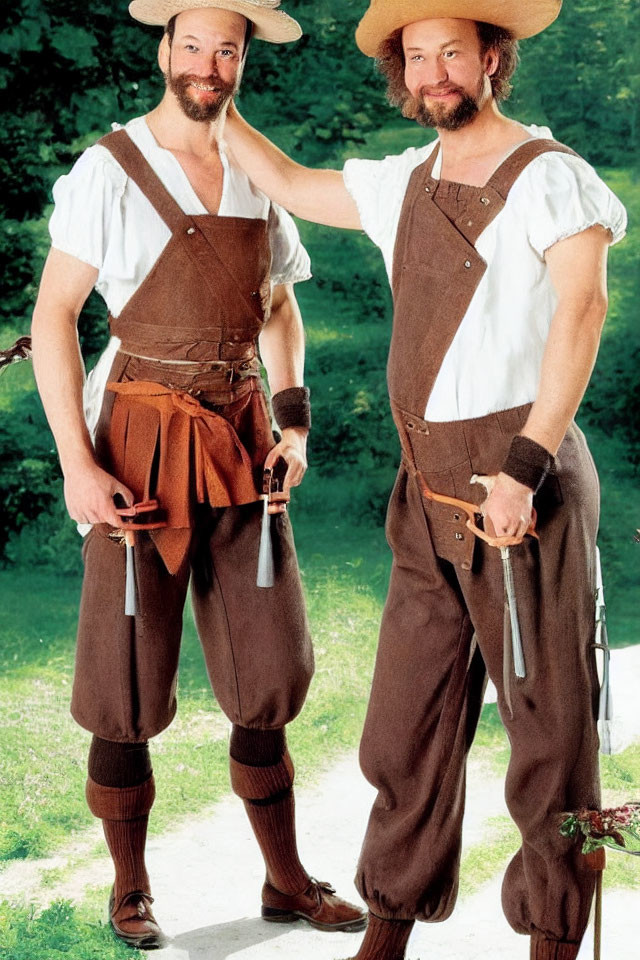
(133, 922)
(318, 905)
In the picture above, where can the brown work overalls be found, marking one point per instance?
(203, 439)
(443, 619)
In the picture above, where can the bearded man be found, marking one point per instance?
(194, 265)
(495, 241)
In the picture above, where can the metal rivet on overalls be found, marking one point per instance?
(484, 200)
(465, 565)
(191, 230)
(467, 263)
(459, 536)
(456, 516)
(427, 189)
(410, 425)
(469, 223)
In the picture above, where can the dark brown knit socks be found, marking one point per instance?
(543, 949)
(385, 939)
(262, 774)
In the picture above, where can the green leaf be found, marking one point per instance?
(75, 44)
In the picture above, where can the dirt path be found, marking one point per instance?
(207, 878)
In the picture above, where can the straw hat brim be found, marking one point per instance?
(523, 18)
(273, 25)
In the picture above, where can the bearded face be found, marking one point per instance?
(201, 56)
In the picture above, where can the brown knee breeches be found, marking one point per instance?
(256, 641)
(429, 679)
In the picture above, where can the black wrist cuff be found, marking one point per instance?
(292, 408)
(528, 462)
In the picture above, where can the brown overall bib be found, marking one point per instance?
(199, 446)
(443, 620)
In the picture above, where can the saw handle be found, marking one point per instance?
(272, 488)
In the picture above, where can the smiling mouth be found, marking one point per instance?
(205, 86)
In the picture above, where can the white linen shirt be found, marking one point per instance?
(102, 218)
(495, 358)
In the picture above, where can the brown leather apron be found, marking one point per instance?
(443, 619)
(205, 300)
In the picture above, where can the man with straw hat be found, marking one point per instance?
(495, 241)
(194, 265)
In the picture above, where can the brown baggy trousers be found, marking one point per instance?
(256, 640)
(442, 624)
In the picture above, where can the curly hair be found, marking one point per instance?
(391, 63)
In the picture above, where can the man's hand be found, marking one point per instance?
(507, 509)
(293, 450)
(89, 493)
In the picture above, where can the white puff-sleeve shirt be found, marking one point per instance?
(495, 358)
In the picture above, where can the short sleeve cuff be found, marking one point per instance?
(569, 197)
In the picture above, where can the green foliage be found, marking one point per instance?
(590, 71)
(28, 469)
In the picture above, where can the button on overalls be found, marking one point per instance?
(194, 436)
(443, 620)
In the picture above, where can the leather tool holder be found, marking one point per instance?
(145, 515)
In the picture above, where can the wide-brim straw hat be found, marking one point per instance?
(523, 18)
(271, 24)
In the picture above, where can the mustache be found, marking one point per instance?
(426, 90)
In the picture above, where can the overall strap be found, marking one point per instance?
(138, 168)
(510, 169)
(416, 185)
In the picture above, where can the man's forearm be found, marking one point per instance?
(316, 195)
(282, 343)
(578, 270)
(568, 361)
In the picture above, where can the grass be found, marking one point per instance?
(482, 861)
(57, 932)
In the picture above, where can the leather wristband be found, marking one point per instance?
(292, 408)
(528, 462)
